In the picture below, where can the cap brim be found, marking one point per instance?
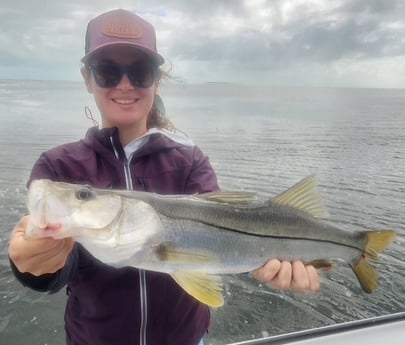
(157, 58)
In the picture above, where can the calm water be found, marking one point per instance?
(258, 139)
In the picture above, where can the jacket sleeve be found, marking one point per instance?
(202, 177)
(50, 282)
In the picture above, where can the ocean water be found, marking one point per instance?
(258, 139)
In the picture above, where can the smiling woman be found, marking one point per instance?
(124, 84)
(132, 150)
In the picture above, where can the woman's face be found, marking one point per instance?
(124, 105)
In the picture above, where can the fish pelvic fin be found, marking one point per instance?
(203, 287)
(304, 196)
(376, 241)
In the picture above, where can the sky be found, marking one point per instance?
(325, 43)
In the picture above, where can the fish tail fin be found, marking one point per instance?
(366, 275)
(376, 241)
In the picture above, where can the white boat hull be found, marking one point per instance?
(389, 329)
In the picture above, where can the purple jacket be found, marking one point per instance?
(125, 306)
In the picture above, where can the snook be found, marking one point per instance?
(194, 238)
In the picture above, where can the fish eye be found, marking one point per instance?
(84, 194)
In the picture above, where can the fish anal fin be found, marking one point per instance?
(203, 287)
(228, 197)
(303, 196)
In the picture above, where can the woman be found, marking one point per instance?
(133, 150)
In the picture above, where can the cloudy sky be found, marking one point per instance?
(354, 43)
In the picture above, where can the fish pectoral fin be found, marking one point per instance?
(169, 253)
(203, 287)
(236, 198)
(305, 197)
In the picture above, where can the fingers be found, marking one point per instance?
(304, 277)
(286, 275)
(314, 281)
(42, 256)
(55, 259)
(37, 255)
(52, 251)
(268, 271)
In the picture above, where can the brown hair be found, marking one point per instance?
(155, 118)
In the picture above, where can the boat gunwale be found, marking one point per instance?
(288, 338)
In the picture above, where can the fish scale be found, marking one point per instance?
(228, 252)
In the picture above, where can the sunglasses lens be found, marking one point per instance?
(106, 74)
(142, 74)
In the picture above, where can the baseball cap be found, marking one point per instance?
(121, 27)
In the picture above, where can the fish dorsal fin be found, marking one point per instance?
(304, 196)
(203, 287)
(228, 197)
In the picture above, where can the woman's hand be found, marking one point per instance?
(37, 255)
(288, 275)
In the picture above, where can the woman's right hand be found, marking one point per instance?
(37, 255)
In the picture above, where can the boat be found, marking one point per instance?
(387, 329)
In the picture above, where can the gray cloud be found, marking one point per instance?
(355, 29)
(230, 39)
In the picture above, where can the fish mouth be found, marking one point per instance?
(36, 207)
(39, 224)
(49, 230)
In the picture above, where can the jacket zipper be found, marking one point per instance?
(142, 276)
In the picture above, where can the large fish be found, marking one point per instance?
(195, 238)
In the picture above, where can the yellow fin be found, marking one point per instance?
(305, 197)
(366, 274)
(228, 197)
(376, 241)
(167, 252)
(203, 287)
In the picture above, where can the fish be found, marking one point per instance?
(197, 238)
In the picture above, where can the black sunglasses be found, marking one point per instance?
(109, 74)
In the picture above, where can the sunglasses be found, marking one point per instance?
(109, 74)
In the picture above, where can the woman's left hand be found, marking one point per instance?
(288, 275)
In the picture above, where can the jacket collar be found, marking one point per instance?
(105, 141)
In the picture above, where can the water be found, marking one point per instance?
(258, 139)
